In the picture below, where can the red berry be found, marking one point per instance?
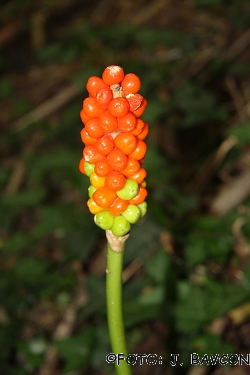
(139, 126)
(91, 107)
(95, 84)
(118, 107)
(112, 75)
(81, 166)
(102, 168)
(126, 142)
(85, 137)
(132, 167)
(104, 197)
(127, 123)
(139, 176)
(138, 112)
(131, 84)
(135, 101)
(108, 122)
(140, 150)
(105, 144)
(84, 117)
(117, 159)
(91, 155)
(94, 128)
(115, 181)
(104, 97)
(118, 206)
(140, 197)
(144, 132)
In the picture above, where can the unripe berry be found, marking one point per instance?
(132, 213)
(104, 220)
(89, 168)
(143, 208)
(120, 227)
(129, 191)
(91, 190)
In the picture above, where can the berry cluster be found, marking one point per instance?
(114, 149)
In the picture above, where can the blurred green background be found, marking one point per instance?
(186, 267)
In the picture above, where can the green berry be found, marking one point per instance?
(129, 191)
(104, 219)
(143, 208)
(89, 168)
(120, 227)
(132, 213)
(91, 190)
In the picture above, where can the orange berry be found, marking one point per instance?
(139, 126)
(144, 132)
(118, 107)
(108, 122)
(85, 137)
(127, 123)
(113, 74)
(102, 168)
(81, 166)
(139, 176)
(115, 181)
(117, 159)
(104, 197)
(132, 167)
(135, 101)
(94, 128)
(126, 142)
(140, 197)
(95, 84)
(104, 97)
(130, 84)
(138, 112)
(84, 117)
(91, 107)
(93, 207)
(105, 144)
(96, 181)
(118, 206)
(140, 150)
(91, 155)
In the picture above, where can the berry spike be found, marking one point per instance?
(114, 150)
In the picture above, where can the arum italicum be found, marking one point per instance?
(113, 155)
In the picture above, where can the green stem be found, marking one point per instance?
(114, 299)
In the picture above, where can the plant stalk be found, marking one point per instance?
(115, 251)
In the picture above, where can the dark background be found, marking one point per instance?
(186, 266)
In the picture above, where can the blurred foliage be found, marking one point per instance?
(186, 256)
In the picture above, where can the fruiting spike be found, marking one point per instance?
(114, 149)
